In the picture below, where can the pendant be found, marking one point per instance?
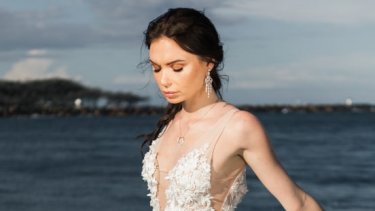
(180, 140)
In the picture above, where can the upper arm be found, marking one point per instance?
(256, 150)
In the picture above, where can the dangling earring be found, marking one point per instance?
(208, 83)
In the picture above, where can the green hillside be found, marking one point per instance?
(59, 94)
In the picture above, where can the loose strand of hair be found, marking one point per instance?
(169, 114)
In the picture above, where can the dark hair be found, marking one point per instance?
(194, 33)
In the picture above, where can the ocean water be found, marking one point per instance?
(94, 163)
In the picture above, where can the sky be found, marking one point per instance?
(276, 52)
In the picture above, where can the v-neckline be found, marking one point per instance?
(179, 160)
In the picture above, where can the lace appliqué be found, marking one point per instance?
(189, 183)
(148, 171)
(236, 192)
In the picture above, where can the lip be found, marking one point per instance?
(169, 94)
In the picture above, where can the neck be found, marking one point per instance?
(194, 105)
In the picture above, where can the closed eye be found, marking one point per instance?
(156, 69)
(178, 70)
(177, 67)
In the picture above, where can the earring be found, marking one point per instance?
(208, 83)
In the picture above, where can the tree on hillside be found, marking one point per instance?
(58, 93)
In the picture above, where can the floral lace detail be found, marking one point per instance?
(148, 171)
(190, 179)
(236, 192)
(190, 182)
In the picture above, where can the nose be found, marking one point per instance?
(164, 79)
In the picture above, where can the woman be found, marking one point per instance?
(201, 146)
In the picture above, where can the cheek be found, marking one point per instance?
(192, 81)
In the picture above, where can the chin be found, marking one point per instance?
(174, 101)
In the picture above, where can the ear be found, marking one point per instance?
(210, 66)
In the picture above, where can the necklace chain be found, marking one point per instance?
(181, 138)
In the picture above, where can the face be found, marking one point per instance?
(178, 73)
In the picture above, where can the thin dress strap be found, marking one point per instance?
(165, 128)
(220, 130)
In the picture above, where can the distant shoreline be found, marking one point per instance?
(62, 97)
(158, 110)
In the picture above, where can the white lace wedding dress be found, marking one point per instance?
(189, 180)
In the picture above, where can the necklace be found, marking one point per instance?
(181, 138)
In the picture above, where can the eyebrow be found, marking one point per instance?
(169, 63)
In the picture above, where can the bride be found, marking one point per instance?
(199, 150)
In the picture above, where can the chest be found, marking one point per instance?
(192, 172)
(170, 152)
(189, 180)
(217, 161)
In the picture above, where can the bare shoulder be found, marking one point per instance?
(244, 129)
(244, 121)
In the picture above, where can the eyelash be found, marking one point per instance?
(176, 70)
(156, 70)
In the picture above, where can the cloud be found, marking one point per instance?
(318, 11)
(130, 18)
(108, 22)
(41, 29)
(10, 56)
(144, 10)
(32, 68)
(123, 21)
(353, 70)
(37, 52)
(132, 80)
